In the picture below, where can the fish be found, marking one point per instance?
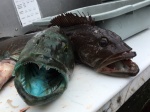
(6, 69)
(100, 49)
(44, 67)
(10, 48)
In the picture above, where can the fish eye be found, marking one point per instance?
(103, 42)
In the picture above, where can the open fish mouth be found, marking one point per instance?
(120, 65)
(37, 83)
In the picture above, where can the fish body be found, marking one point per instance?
(6, 69)
(10, 48)
(98, 48)
(44, 67)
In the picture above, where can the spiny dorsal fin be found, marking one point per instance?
(71, 19)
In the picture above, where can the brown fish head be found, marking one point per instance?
(99, 48)
(104, 50)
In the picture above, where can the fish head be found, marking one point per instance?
(104, 50)
(44, 67)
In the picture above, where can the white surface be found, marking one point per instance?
(89, 91)
(113, 104)
(28, 11)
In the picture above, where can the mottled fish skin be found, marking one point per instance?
(98, 48)
(44, 67)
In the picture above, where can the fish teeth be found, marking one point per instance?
(47, 67)
(49, 59)
(40, 66)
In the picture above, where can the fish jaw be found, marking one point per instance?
(119, 65)
(43, 83)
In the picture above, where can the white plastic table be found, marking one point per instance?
(89, 91)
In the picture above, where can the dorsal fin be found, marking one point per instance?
(71, 19)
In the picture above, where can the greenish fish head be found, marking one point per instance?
(44, 67)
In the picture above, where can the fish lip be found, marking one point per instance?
(120, 57)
